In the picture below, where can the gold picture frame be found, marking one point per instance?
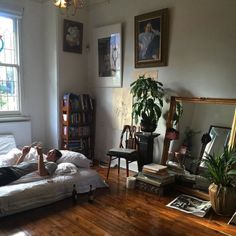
(151, 39)
(72, 36)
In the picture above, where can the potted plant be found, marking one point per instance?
(178, 112)
(148, 102)
(222, 174)
(173, 133)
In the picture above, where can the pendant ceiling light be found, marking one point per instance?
(70, 5)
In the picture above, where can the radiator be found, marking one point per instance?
(20, 129)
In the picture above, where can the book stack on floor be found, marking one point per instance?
(154, 178)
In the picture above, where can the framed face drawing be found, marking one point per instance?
(151, 39)
(72, 36)
(107, 46)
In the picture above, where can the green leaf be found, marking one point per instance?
(148, 96)
(232, 172)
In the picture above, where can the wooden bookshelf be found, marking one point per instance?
(77, 123)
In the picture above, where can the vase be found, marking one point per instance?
(148, 126)
(223, 199)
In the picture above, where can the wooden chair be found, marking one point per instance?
(127, 149)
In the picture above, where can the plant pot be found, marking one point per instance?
(147, 126)
(172, 134)
(222, 199)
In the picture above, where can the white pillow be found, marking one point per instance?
(10, 158)
(75, 158)
(7, 143)
(66, 168)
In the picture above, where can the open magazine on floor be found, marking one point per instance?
(191, 205)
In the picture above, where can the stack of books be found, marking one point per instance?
(155, 169)
(155, 175)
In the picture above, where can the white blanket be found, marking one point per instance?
(32, 190)
(22, 195)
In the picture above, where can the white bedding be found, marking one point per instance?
(32, 190)
(20, 196)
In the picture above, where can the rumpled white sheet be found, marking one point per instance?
(22, 195)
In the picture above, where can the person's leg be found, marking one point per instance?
(7, 176)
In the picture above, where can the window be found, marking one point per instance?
(9, 65)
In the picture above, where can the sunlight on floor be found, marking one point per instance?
(20, 234)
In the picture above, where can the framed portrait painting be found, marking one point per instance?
(72, 36)
(107, 46)
(151, 39)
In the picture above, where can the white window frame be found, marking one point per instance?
(17, 24)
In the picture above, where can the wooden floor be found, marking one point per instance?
(115, 211)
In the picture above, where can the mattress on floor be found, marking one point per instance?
(23, 195)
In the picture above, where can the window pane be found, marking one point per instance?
(9, 89)
(7, 41)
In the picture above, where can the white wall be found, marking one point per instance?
(50, 65)
(64, 71)
(201, 61)
(73, 66)
(33, 73)
(33, 88)
(48, 72)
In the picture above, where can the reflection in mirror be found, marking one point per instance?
(219, 138)
(198, 116)
(194, 123)
(202, 128)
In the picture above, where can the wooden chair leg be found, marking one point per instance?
(109, 165)
(118, 165)
(127, 168)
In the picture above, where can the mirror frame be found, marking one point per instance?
(201, 100)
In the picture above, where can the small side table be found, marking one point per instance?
(145, 148)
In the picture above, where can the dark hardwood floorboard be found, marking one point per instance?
(115, 211)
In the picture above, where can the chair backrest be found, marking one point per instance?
(127, 138)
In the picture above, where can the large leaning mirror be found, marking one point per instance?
(203, 127)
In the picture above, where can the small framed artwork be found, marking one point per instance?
(151, 39)
(107, 46)
(72, 36)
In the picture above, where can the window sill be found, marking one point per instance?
(14, 118)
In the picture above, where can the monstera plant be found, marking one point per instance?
(148, 102)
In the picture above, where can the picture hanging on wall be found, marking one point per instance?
(151, 39)
(107, 54)
(72, 36)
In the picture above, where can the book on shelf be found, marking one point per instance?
(65, 117)
(65, 130)
(91, 103)
(81, 101)
(77, 122)
(86, 102)
(80, 144)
